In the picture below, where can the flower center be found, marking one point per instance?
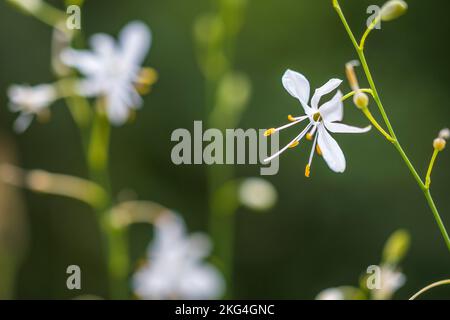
(316, 117)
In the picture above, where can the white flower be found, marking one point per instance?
(390, 281)
(176, 269)
(331, 294)
(321, 120)
(29, 101)
(113, 69)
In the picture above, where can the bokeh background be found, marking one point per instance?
(324, 231)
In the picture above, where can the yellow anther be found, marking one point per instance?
(269, 132)
(291, 118)
(147, 76)
(309, 136)
(319, 151)
(307, 170)
(294, 144)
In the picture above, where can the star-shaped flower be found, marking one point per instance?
(322, 120)
(176, 269)
(113, 69)
(30, 101)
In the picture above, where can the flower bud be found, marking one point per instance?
(393, 9)
(439, 144)
(444, 134)
(361, 100)
(257, 194)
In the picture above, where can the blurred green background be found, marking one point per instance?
(325, 230)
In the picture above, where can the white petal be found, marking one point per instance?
(298, 87)
(323, 90)
(331, 151)
(343, 128)
(202, 282)
(23, 122)
(85, 61)
(103, 44)
(135, 40)
(333, 110)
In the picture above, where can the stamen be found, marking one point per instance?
(294, 144)
(291, 118)
(307, 170)
(311, 155)
(319, 151)
(310, 135)
(297, 138)
(269, 132)
(146, 78)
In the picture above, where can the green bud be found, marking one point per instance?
(393, 9)
(361, 100)
(396, 247)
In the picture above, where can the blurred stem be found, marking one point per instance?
(396, 143)
(429, 287)
(45, 13)
(222, 219)
(115, 238)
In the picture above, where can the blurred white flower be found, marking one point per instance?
(321, 120)
(113, 69)
(391, 281)
(257, 194)
(331, 294)
(29, 101)
(175, 268)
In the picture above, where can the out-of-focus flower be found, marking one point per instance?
(175, 268)
(321, 120)
(30, 101)
(331, 294)
(113, 70)
(444, 134)
(391, 281)
(257, 194)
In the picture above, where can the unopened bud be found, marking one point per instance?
(361, 100)
(439, 144)
(393, 9)
(444, 134)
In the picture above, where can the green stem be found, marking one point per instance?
(437, 217)
(396, 143)
(115, 238)
(430, 168)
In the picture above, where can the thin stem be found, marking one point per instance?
(375, 123)
(368, 31)
(429, 287)
(396, 143)
(430, 168)
(351, 94)
(437, 217)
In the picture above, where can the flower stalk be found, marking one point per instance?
(422, 185)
